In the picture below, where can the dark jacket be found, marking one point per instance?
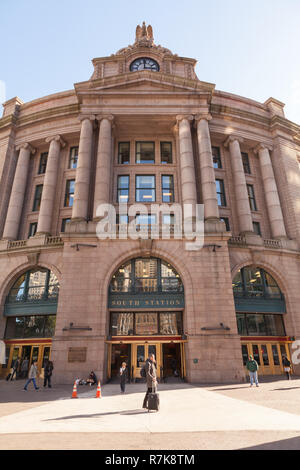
(252, 365)
(48, 369)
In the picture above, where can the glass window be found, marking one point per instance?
(246, 164)
(167, 186)
(32, 229)
(244, 354)
(253, 281)
(274, 325)
(17, 292)
(121, 219)
(121, 280)
(168, 219)
(124, 153)
(256, 353)
(123, 189)
(271, 286)
(37, 198)
(256, 228)
(43, 163)
(221, 193)
(166, 152)
(216, 157)
(145, 219)
(146, 324)
(34, 326)
(145, 188)
(170, 323)
(145, 152)
(63, 224)
(122, 324)
(69, 194)
(146, 275)
(226, 221)
(251, 196)
(170, 279)
(73, 158)
(140, 355)
(241, 324)
(256, 325)
(264, 353)
(276, 359)
(50, 322)
(33, 285)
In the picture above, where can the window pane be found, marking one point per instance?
(69, 196)
(34, 327)
(43, 163)
(254, 282)
(256, 353)
(37, 198)
(32, 229)
(275, 355)
(124, 153)
(246, 164)
(241, 324)
(237, 284)
(123, 188)
(226, 221)
(140, 356)
(145, 188)
(167, 188)
(166, 152)
(244, 354)
(170, 323)
(264, 353)
(256, 325)
(63, 224)
(146, 323)
(145, 152)
(121, 324)
(256, 228)
(216, 157)
(18, 290)
(274, 325)
(220, 193)
(73, 159)
(272, 288)
(251, 195)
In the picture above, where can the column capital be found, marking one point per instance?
(90, 117)
(26, 146)
(108, 117)
(205, 116)
(232, 138)
(262, 146)
(181, 117)
(57, 138)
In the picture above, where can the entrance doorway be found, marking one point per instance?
(28, 353)
(171, 360)
(268, 354)
(120, 353)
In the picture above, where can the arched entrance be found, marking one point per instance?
(260, 311)
(146, 306)
(30, 311)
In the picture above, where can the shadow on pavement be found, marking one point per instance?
(284, 444)
(99, 415)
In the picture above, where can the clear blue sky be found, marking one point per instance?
(250, 48)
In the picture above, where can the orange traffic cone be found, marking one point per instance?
(74, 394)
(98, 394)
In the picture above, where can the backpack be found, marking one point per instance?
(143, 372)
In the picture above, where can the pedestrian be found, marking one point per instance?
(48, 373)
(287, 367)
(33, 373)
(151, 378)
(252, 367)
(24, 368)
(92, 380)
(123, 376)
(15, 368)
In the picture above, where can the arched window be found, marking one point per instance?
(33, 286)
(255, 282)
(146, 275)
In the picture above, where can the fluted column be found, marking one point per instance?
(187, 167)
(208, 181)
(104, 160)
(16, 201)
(49, 185)
(271, 192)
(241, 193)
(83, 170)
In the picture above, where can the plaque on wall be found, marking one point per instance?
(77, 355)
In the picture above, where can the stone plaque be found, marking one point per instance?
(77, 355)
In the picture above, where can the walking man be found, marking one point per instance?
(252, 367)
(32, 376)
(15, 368)
(151, 378)
(123, 376)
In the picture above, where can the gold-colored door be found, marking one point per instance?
(140, 353)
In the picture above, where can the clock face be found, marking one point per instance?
(144, 63)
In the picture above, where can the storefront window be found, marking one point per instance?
(35, 326)
(146, 323)
(122, 324)
(260, 324)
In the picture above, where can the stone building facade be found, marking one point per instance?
(144, 129)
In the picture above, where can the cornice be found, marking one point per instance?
(48, 113)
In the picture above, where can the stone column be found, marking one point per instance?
(16, 201)
(104, 161)
(271, 192)
(83, 170)
(241, 193)
(187, 167)
(208, 181)
(49, 185)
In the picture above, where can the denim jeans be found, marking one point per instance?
(253, 376)
(28, 382)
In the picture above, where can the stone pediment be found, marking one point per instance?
(142, 83)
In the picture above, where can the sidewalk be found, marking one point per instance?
(191, 417)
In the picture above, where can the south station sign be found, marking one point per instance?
(151, 301)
